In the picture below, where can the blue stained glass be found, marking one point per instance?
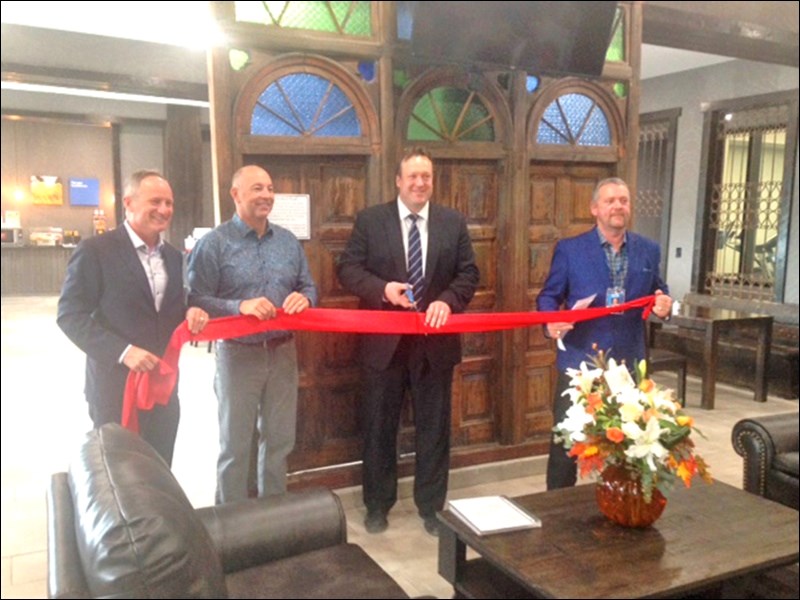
(367, 70)
(573, 115)
(531, 83)
(336, 103)
(304, 104)
(555, 121)
(576, 107)
(305, 92)
(548, 135)
(596, 132)
(265, 123)
(342, 126)
(405, 20)
(274, 99)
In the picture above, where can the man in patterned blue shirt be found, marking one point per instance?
(250, 266)
(605, 266)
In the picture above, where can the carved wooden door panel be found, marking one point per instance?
(471, 187)
(560, 195)
(327, 419)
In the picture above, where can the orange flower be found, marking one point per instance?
(685, 421)
(583, 450)
(646, 385)
(594, 401)
(686, 470)
(615, 434)
(651, 413)
(590, 464)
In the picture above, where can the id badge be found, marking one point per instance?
(615, 296)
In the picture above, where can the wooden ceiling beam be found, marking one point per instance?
(724, 28)
(106, 82)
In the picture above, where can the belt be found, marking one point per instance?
(268, 343)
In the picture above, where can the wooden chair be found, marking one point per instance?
(666, 360)
(660, 359)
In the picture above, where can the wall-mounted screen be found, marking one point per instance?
(84, 191)
(555, 38)
(47, 189)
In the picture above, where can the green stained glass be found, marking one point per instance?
(451, 114)
(344, 18)
(621, 89)
(616, 49)
(239, 59)
(400, 78)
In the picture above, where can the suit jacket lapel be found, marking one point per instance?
(596, 259)
(635, 264)
(394, 237)
(131, 262)
(435, 233)
(173, 263)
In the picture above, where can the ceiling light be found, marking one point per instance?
(87, 93)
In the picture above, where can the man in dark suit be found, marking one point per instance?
(374, 267)
(614, 265)
(122, 298)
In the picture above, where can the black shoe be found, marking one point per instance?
(375, 521)
(432, 525)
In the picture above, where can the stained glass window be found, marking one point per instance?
(344, 18)
(451, 114)
(616, 49)
(574, 119)
(303, 104)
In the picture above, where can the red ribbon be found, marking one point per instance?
(144, 390)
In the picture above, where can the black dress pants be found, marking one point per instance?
(562, 469)
(382, 403)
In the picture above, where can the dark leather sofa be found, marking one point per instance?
(120, 526)
(769, 446)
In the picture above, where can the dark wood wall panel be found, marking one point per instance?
(34, 270)
(516, 207)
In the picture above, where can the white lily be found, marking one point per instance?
(663, 401)
(574, 422)
(582, 379)
(646, 443)
(630, 408)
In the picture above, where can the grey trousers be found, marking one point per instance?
(255, 384)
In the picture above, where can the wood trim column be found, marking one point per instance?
(183, 163)
(629, 160)
(513, 218)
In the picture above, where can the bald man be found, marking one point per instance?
(250, 266)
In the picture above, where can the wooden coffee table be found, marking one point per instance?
(708, 538)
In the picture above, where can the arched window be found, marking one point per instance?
(304, 104)
(575, 120)
(450, 114)
(342, 18)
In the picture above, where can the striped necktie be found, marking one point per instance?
(415, 276)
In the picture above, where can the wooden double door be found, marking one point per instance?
(502, 390)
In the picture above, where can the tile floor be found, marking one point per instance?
(42, 376)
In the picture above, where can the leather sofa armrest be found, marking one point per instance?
(257, 531)
(758, 440)
(64, 569)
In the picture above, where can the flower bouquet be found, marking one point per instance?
(615, 421)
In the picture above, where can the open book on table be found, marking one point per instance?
(492, 514)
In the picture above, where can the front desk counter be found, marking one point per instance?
(33, 270)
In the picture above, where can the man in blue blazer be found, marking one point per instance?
(613, 265)
(374, 268)
(122, 298)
